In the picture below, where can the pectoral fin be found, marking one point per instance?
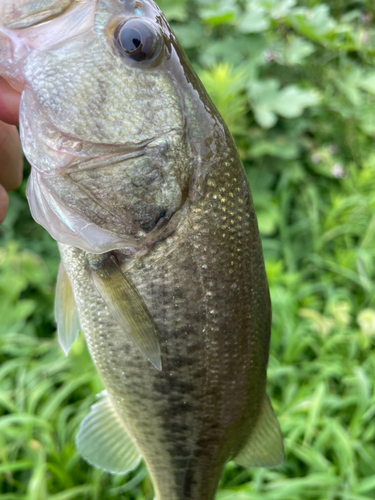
(66, 314)
(127, 307)
(265, 445)
(103, 440)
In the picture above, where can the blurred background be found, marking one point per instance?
(295, 82)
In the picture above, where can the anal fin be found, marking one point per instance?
(104, 442)
(66, 314)
(264, 448)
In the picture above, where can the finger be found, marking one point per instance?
(9, 103)
(11, 161)
(4, 200)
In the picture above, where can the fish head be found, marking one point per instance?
(114, 121)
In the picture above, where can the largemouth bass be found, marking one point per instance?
(137, 177)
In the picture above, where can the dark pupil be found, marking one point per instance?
(130, 39)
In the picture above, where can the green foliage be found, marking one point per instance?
(295, 81)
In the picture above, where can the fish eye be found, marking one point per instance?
(137, 40)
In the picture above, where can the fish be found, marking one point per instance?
(137, 177)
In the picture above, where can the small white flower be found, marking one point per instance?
(316, 158)
(365, 37)
(366, 321)
(338, 171)
(269, 55)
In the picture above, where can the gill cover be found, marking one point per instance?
(78, 112)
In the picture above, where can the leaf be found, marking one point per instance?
(292, 101)
(289, 102)
(174, 10)
(190, 35)
(219, 13)
(263, 96)
(314, 23)
(278, 145)
(279, 8)
(297, 51)
(255, 21)
(367, 82)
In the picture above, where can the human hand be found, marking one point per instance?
(11, 160)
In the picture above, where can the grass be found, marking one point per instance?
(311, 166)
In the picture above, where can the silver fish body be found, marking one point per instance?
(138, 179)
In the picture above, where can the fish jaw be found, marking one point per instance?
(20, 14)
(23, 31)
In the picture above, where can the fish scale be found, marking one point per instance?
(137, 177)
(197, 418)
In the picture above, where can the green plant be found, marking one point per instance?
(295, 82)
